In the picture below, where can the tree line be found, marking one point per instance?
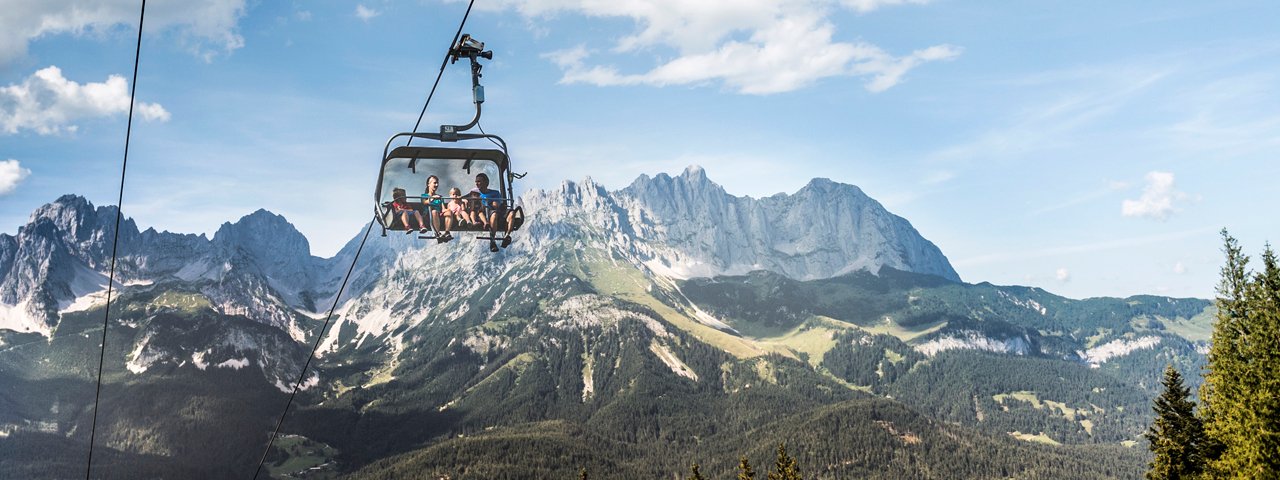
(1235, 432)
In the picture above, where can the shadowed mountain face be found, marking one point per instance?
(634, 331)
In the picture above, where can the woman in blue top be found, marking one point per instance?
(435, 210)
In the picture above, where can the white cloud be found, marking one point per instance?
(11, 174)
(207, 27)
(1179, 268)
(1157, 200)
(366, 13)
(750, 46)
(48, 103)
(864, 6)
(1062, 275)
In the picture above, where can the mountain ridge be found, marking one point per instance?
(667, 224)
(576, 324)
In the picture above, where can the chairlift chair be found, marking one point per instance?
(407, 167)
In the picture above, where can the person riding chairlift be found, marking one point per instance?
(436, 211)
(400, 204)
(494, 208)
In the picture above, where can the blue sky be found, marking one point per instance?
(1089, 148)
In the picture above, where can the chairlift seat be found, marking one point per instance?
(408, 167)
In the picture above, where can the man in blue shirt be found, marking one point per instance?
(495, 207)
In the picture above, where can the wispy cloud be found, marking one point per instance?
(1111, 188)
(1227, 117)
(1004, 257)
(938, 177)
(11, 174)
(207, 27)
(1052, 123)
(48, 103)
(1157, 200)
(754, 47)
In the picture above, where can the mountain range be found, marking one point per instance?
(629, 332)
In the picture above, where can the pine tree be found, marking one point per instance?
(1266, 364)
(744, 470)
(694, 474)
(1177, 435)
(784, 468)
(1241, 396)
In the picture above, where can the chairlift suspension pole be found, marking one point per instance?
(471, 49)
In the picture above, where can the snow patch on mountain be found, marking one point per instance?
(234, 363)
(588, 376)
(85, 302)
(311, 381)
(1027, 303)
(197, 359)
(672, 361)
(711, 321)
(330, 342)
(141, 358)
(84, 282)
(20, 319)
(376, 321)
(1202, 348)
(202, 270)
(974, 340)
(1098, 355)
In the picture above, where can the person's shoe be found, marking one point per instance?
(424, 231)
(493, 247)
(440, 239)
(447, 238)
(506, 241)
(408, 231)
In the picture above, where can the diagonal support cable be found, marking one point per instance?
(443, 63)
(115, 242)
(316, 346)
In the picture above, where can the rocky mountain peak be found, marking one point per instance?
(694, 174)
(67, 207)
(264, 235)
(692, 180)
(73, 218)
(826, 185)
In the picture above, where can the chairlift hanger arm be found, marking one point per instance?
(473, 50)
